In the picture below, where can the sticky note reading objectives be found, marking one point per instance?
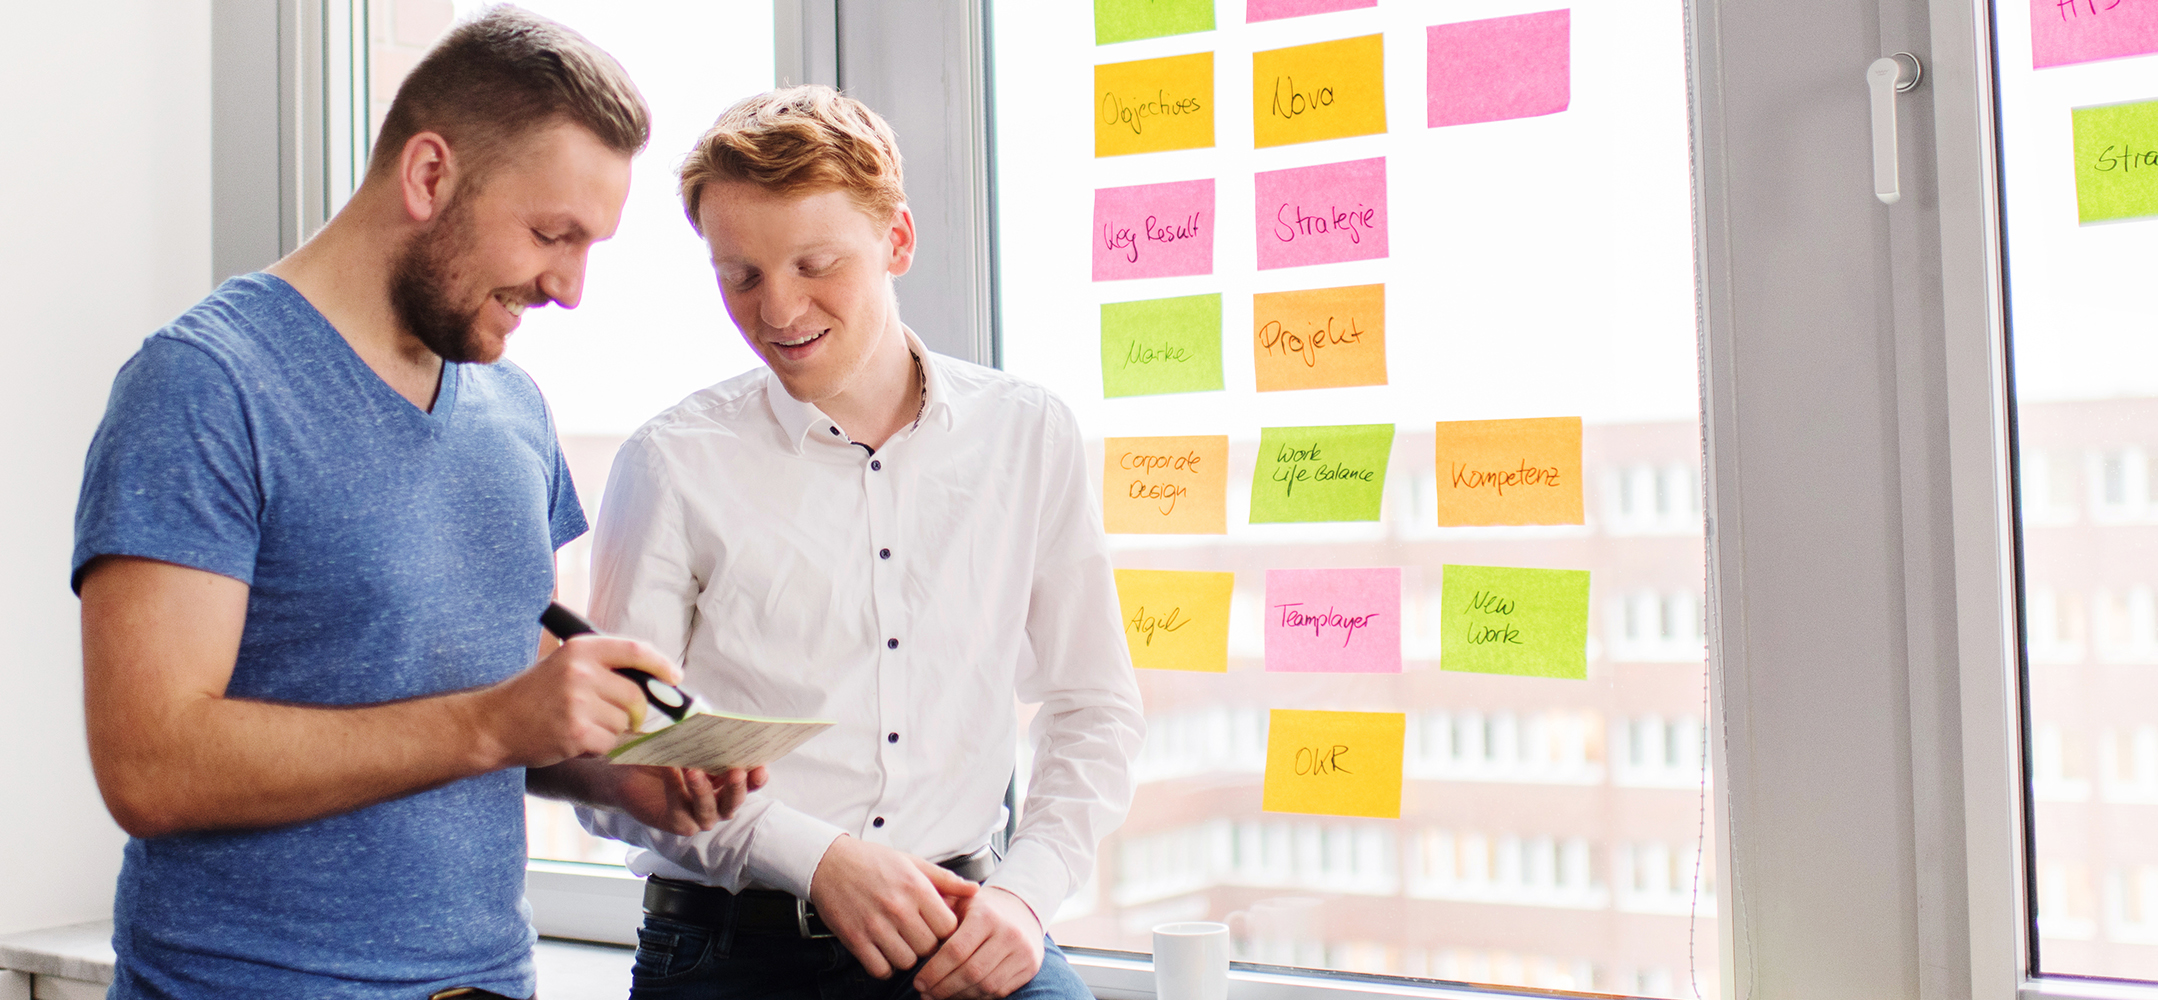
(1333, 621)
(1495, 472)
(1326, 90)
(1127, 20)
(1176, 620)
(1334, 763)
(1320, 338)
(1154, 230)
(1320, 473)
(1503, 620)
(2117, 161)
(1499, 68)
(1323, 214)
(1154, 105)
(1165, 485)
(1161, 346)
(2075, 31)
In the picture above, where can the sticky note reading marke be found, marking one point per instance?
(1322, 214)
(1504, 67)
(1154, 230)
(2076, 31)
(2116, 161)
(1125, 20)
(1334, 763)
(1160, 346)
(1320, 338)
(1503, 620)
(1320, 473)
(1509, 471)
(1325, 90)
(1176, 620)
(1165, 485)
(1154, 104)
(1274, 10)
(1333, 621)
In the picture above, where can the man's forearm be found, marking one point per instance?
(582, 781)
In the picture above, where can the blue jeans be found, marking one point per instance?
(679, 961)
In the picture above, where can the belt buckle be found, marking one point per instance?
(802, 913)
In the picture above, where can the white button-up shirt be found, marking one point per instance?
(915, 596)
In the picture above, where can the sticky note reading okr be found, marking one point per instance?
(1320, 473)
(1165, 485)
(1334, 763)
(1154, 104)
(1320, 338)
(1154, 230)
(2076, 31)
(1503, 67)
(1509, 471)
(1126, 20)
(1323, 214)
(1504, 620)
(2117, 161)
(1161, 346)
(1325, 90)
(1333, 621)
(1176, 620)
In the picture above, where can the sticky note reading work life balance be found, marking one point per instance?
(2076, 31)
(1165, 485)
(2117, 161)
(1333, 621)
(1176, 620)
(1505, 620)
(1323, 214)
(1127, 20)
(1319, 338)
(1334, 763)
(1154, 105)
(1325, 90)
(1160, 346)
(1499, 68)
(1320, 473)
(1154, 230)
(1509, 471)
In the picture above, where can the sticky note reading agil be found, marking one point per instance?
(1161, 346)
(1333, 621)
(1499, 68)
(1154, 230)
(1504, 620)
(1165, 485)
(1334, 763)
(1176, 620)
(2064, 32)
(1325, 90)
(1322, 214)
(1274, 10)
(1320, 473)
(2117, 161)
(1154, 104)
(1509, 471)
(1319, 338)
(1126, 20)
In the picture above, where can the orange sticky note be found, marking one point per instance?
(1325, 90)
(1165, 485)
(1153, 105)
(1319, 338)
(1509, 471)
(1334, 763)
(1176, 620)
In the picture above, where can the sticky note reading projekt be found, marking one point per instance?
(1320, 473)
(1504, 67)
(1509, 471)
(1125, 20)
(1175, 620)
(1325, 90)
(1322, 214)
(2076, 31)
(2117, 161)
(1333, 621)
(1274, 10)
(1154, 104)
(1161, 346)
(1154, 230)
(1165, 485)
(1320, 338)
(1503, 620)
(1334, 763)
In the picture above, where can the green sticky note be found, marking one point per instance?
(1161, 346)
(1320, 473)
(1506, 620)
(1124, 20)
(2117, 161)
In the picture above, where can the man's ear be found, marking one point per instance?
(426, 175)
(902, 240)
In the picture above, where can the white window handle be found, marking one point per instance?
(1887, 77)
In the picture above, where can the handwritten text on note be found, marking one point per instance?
(1506, 620)
(1161, 346)
(1153, 105)
(1322, 214)
(1165, 485)
(1176, 620)
(1319, 338)
(2064, 32)
(1333, 621)
(2116, 161)
(1320, 473)
(1509, 471)
(1334, 763)
(1325, 90)
(1154, 230)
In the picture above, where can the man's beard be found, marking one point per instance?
(420, 289)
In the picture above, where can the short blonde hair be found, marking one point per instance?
(799, 139)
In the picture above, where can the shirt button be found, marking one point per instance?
(891, 644)
(891, 737)
(875, 466)
(878, 822)
(835, 432)
(884, 553)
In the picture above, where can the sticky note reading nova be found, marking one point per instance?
(1319, 338)
(2064, 32)
(1320, 473)
(1333, 621)
(1127, 20)
(1503, 67)
(1165, 485)
(1154, 104)
(1154, 230)
(1325, 90)
(1274, 10)
(1509, 471)
(2117, 161)
(1160, 346)
(1503, 620)
(1322, 214)
(1176, 620)
(1334, 763)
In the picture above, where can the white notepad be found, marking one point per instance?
(716, 741)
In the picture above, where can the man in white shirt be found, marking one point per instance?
(866, 532)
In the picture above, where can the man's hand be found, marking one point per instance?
(569, 704)
(889, 909)
(997, 949)
(678, 800)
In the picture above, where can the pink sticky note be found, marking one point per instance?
(1333, 621)
(2078, 31)
(1154, 230)
(1322, 214)
(1504, 67)
(1274, 10)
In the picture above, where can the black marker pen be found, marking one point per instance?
(673, 702)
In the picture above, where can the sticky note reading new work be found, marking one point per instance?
(1320, 473)
(1154, 230)
(1503, 620)
(1165, 485)
(2116, 161)
(1319, 338)
(1126, 20)
(1333, 621)
(2064, 32)
(1503, 67)
(1325, 90)
(1274, 10)
(1334, 763)
(1176, 620)
(1509, 471)
(1154, 104)
(1323, 214)
(1160, 346)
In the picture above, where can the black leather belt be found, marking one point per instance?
(768, 911)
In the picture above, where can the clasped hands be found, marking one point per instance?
(893, 910)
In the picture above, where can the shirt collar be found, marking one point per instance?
(802, 420)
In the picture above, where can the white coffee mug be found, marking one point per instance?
(1191, 961)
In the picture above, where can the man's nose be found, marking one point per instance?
(564, 282)
(784, 301)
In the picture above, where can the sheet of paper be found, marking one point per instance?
(1320, 473)
(1506, 620)
(1509, 471)
(1275, 10)
(1154, 230)
(1154, 104)
(1126, 20)
(1334, 763)
(2117, 161)
(1159, 346)
(1319, 338)
(2064, 32)
(1165, 485)
(1176, 620)
(715, 741)
(1333, 621)
(1503, 67)
(1322, 214)
(1325, 90)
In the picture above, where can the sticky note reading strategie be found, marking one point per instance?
(2064, 32)
(1325, 90)
(1333, 621)
(1274, 10)
(1505, 620)
(1323, 214)
(1153, 105)
(1165, 485)
(1320, 473)
(1154, 230)
(2116, 161)
(1334, 763)
(1160, 346)
(1128, 20)
(1499, 68)
(1319, 338)
(1176, 620)
(1509, 471)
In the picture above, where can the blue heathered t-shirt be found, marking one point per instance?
(390, 553)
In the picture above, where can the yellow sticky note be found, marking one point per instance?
(1334, 763)
(1165, 485)
(1319, 338)
(1509, 471)
(1152, 105)
(1326, 90)
(1176, 620)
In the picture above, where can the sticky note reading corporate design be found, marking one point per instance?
(1274, 10)
(1503, 67)
(2064, 32)
(1154, 230)
(1527, 622)
(2117, 161)
(1509, 471)
(1320, 473)
(1334, 763)
(1165, 485)
(1333, 621)
(1154, 104)
(1322, 214)
(1325, 90)
(1160, 346)
(1319, 338)
(1127, 20)
(1176, 620)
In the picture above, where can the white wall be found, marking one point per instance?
(105, 207)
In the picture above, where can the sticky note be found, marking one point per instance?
(1154, 230)
(1503, 67)
(1325, 90)
(1334, 763)
(2075, 31)
(1154, 104)
(1333, 621)
(1274, 10)
(1126, 20)
(1165, 485)
(1176, 620)
(1319, 338)
(1320, 473)
(1322, 214)
(1503, 620)
(2117, 161)
(1159, 346)
(1508, 471)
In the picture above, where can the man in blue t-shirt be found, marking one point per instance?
(316, 529)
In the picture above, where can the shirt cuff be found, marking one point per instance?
(785, 849)
(1033, 872)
